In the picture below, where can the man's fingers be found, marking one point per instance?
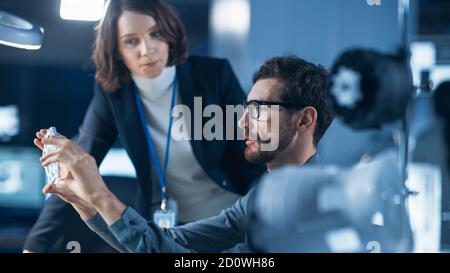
(64, 174)
(54, 157)
(41, 133)
(60, 187)
(61, 154)
(38, 143)
(58, 135)
(45, 157)
(48, 188)
(56, 140)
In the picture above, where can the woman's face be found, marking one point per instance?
(141, 46)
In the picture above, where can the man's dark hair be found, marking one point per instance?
(303, 83)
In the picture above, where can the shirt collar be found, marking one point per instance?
(155, 88)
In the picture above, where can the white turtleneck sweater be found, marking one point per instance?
(196, 194)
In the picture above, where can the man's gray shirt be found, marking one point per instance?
(225, 232)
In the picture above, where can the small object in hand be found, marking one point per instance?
(51, 170)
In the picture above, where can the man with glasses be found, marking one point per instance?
(292, 93)
(287, 105)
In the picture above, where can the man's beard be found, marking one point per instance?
(254, 154)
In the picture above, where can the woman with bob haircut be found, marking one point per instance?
(143, 71)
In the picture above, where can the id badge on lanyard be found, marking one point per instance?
(165, 217)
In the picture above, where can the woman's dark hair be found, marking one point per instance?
(111, 71)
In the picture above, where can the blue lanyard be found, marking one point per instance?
(151, 146)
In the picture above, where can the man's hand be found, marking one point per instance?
(84, 209)
(82, 179)
(38, 142)
(81, 184)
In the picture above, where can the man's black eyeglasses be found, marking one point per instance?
(254, 106)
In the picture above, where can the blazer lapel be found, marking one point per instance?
(188, 90)
(133, 137)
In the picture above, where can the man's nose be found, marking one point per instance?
(243, 122)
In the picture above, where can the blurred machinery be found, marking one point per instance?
(361, 209)
(315, 209)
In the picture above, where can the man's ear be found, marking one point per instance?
(307, 118)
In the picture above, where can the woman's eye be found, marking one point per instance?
(132, 41)
(155, 34)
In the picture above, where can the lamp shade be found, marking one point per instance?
(17, 32)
